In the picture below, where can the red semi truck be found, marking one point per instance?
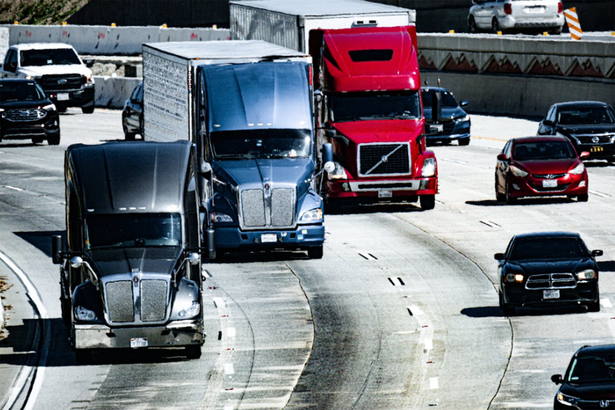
(368, 105)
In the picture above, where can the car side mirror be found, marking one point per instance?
(597, 252)
(584, 154)
(547, 122)
(89, 63)
(463, 103)
(502, 157)
(557, 379)
(499, 256)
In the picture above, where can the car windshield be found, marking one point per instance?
(375, 106)
(20, 91)
(586, 115)
(592, 369)
(545, 150)
(133, 230)
(548, 248)
(48, 57)
(448, 101)
(261, 144)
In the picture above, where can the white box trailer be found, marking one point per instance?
(288, 23)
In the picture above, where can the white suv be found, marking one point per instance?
(57, 68)
(516, 15)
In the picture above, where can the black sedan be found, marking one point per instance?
(445, 120)
(26, 112)
(132, 115)
(590, 126)
(589, 381)
(548, 268)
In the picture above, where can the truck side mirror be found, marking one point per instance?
(205, 168)
(331, 133)
(193, 258)
(327, 153)
(56, 249)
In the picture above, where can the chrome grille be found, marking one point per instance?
(282, 207)
(24, 115)
(384, 159)
(61, 82)
(277, 211)
(120, 301)
(153, 300)
(253, 207)
(548, 176)
(551, 281)
(589, 138)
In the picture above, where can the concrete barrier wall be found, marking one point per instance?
(112, 92)
(108, 40)
(4, 42)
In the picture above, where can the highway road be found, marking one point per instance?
(402, 311)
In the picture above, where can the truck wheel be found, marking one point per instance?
(193, 351)
(83, 356)
(427, 202)
(316, 252)
(88, 110)
(66, 311)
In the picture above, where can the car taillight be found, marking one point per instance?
(560, 8)
(507, 8)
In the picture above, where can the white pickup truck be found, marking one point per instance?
(57, 68)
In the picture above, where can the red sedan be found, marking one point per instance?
(540, 166)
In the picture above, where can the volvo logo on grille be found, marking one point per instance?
(62, 81)
(385, 158)
(604, 404)
(596, 140)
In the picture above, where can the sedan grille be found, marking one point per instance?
(595, 404)
(549, 176)
(384, 159)
(273, 211)
(120, 301)
(24, 115)
(62, 82)
(551, 281)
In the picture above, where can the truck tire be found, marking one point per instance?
(83, 356)
(66, 311)
(193, 352)
(427, 202)
(316, 252)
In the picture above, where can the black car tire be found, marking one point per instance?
(583, 198)
(464, 141)
(66, 311)
(556, 31)
(510, 200)
(55, 140)
(507, 309)
(193, 351)
(83, 356)
(472, 27)
(315, 252)
(594, 306)
(333, 206)
(427, 202)
(37, 140)
(88, 110)
(495, 26)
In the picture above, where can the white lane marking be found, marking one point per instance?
(433, 383)
(368, 256)
(231, 332)
(39, 372)
(598, 193)
(606, 303)
(13, 188)
(228, 368)
(219, 302)
(397, 281)
(490, 224)
(428, 344)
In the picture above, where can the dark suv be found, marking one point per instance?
(27, 113)
(589, 125)
(589, 382)
(445, 120)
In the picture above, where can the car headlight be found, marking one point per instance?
(84, 314)
(191, 311)
(49, 107)
(429, 167)
(514, 277)
(578, 169)
(338, 172)
(220, 217)
(587, 274)
(313, 215)
(89, 79)
(462, 119)
(567, 400)
(518, 172)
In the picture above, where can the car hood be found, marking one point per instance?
(547, 167)
(531, 267)
(126, 260)
(11, 105)
(585, 129)
(37, 71)
(593, 391)
(447, 113)
(380, 130)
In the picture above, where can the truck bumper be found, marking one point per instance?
(305, 236)
(73, 98)
(382, 190)
(182, 333)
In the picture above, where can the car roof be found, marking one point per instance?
(17, 80)
(552, 234)
(570, 104)
(595, 350)
(441, 89)
(540, 138)
(41, 46)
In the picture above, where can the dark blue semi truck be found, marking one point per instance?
(247, 105)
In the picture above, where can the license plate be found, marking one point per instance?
(596, 149)
(137, 342)
(550, 294)
(549, 183)
(436, 127)
(269, 237)
(536, 9)
(63, 97)
(385, 194)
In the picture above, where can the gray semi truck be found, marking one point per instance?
(130, 265)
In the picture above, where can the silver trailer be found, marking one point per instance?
(288, 23)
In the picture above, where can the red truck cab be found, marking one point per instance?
(370, 109)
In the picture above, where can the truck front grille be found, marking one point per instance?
(384, 159)
(62, 82)
(551, 281)
(120, 301)
(277, 211)
(153, 300)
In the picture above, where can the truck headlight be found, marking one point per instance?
(338, 172)
(587, 274)
(191, 311)
(429, 167)
(313, 215)
(578, 169)
(220, 217)
(85, 315)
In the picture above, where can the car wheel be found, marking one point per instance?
(556, 31)
(499, 196)
(37, 140)
(193, 351)
(472, 27)
(83, 356)
(128, 136)
(582, 198)
(427, 202)
(464, 141)
(315, 252)
(54, 140)
(507, 309)
(495, 26)
(509, 199)
(88, 109)
(594, 306)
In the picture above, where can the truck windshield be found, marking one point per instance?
(259, 144)
(363, 106)
(48, 57)
(133, 230)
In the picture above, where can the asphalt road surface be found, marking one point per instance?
(401, 312)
